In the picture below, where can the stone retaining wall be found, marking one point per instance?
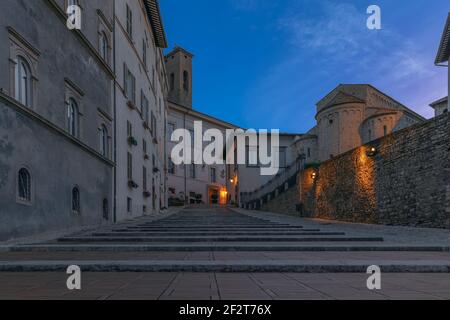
(407, 181)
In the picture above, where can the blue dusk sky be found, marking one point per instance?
(266, 63)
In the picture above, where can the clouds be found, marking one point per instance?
(333, 39)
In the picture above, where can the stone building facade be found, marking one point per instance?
(194, 183)
(70, 101)
(56, 118)
(141, 110)
(351, 115)
(440, 106)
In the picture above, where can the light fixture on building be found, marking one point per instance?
(232, 180)
(371, 151)
(313, 175)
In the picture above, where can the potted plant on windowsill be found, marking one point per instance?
(132, 141)
(155, 170)
(146, 194)
(146, 157)
(132, 184)
(130, 104)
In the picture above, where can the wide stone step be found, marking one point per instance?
(216, 233)
(206, 227)
(218, 239)
(416, 266)
(202, 247)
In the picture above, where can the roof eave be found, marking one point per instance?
(154, 15)
(444, 46)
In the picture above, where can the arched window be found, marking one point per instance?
(75, 200)
(24, 185)
(104, 46)
(104, 141)
(72, 117)
(23, 82)
(105, 209)
(186, 80)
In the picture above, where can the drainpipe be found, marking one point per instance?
(185, 167)
(115, 118)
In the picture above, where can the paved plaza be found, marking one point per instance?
(222, 253)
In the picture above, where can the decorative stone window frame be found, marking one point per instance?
(105, 120)
(20, 47)
(72, 91)
(104, 27)
(32, 186)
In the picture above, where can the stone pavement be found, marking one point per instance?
(235, 254)
(223, 286)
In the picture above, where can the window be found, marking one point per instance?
(129, 129)
(171, 168)
(370, 135)
(153, 128)
(129, 205)
(282, 159)
(76, 200)
(72, 2)
(24, 185)
(170, 130)
(213, 175)
(129, 166)
(104, 141)
(145, 108)
(23, 82)
(309, 152)
(385, 130)
(129, 85)
(144, 53)
(144, 146)
(105, 209)
(172, 82)
(192, 173)
(186, 81)
(153, 161)
(129, 22)
(144, 178)
(103, 46)
(72, 117)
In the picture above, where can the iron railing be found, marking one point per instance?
(280, 183)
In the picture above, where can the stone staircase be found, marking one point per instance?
(214, 240)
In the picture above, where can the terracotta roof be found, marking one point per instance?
(341, 98)
(154, 15)
(444, 47)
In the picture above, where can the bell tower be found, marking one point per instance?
(179, 71)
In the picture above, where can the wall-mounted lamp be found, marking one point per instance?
(371, 151)
(313, 175)
(231, 180)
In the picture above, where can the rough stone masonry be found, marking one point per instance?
(405, 182)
